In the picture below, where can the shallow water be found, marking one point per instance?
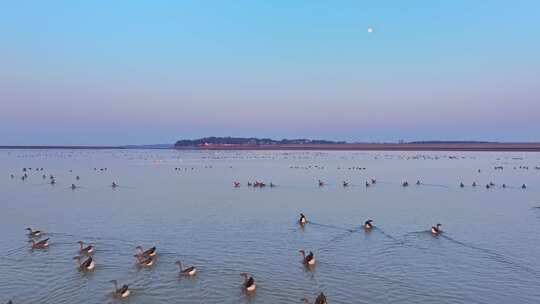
(489, 252)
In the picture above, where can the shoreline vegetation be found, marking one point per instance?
(239, 143)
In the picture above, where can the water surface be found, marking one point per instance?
(184, 203)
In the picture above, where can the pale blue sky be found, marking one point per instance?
(134, 72)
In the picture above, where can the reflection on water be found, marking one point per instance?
(185, 204)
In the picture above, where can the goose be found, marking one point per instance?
(122, 292)
(77, 178)
(487, 186)
(236, 184)
(418, 182)
(85, 250)
(307, 259)
(436, 230)
(190, 271)
(12, 176)
(368, 224)
(145, 261)
(321, 183)
(367, 184)
(474, 184)
(73, 186)
(87, 265)
(52, 182)
(504, 185)
(302, 220)
(321, 299)
(373, 181)
(249, 282)
(345, 184)
(44, 244)
(148, 253)
(523, 186)
(461, 185)
(405, 184)
(34, 233)
(114, 185)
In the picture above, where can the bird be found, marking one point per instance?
(523, 186)
(87, 265)
(321, 183)
(405, 184)
(34, 233)
(114, 185)
(345, 184)
(190, 271)
(73, 187)
(249, 282)
(321, 299)
(367, 184)
(461, 185)
(436, 230)
(122, 292)
(307, 259)
(474, 184)
(418, 182)
(85, 250)
(43, 244)
(368, 224)
(302, 220)
(145, 261)
(148, 253)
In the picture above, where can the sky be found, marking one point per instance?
(146, 72)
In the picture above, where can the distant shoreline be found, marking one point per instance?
(471, 147)
(479, 147)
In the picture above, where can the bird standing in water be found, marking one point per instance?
(436, 230)
(190, 271)
(308, 259)
(368, 225)
(122, 292)
(249, 283)
(321, 299)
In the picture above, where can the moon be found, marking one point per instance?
(370, 29)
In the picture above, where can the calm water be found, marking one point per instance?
(489, 252)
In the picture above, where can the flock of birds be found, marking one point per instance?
(147, 258)
(368, 183)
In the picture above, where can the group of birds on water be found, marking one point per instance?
(86, 263)
(368, 183)
(147, 258)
